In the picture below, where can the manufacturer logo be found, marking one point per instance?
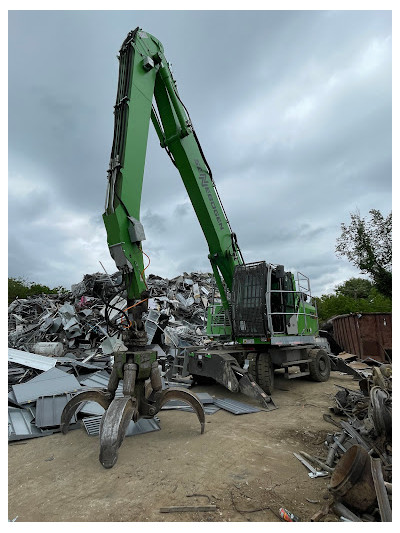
(205, 184)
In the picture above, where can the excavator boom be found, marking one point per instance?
(144, 77)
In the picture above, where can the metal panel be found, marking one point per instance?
(20, 425)
(32, 360)
(235, 407)
(364, 334)
(60, 384)
(92, 408)
(100, 380)
(144, 425)
(53, 373)
(204, 397)
(92, 425)
(293, 339)
(75, 362)
(209, 409)
(49, 410)
(12, 398)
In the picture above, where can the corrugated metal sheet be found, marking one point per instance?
(206, 399)
(92, 425)
(49, 410)
(20, 425)
(50, 383)
(364, 334)
(209, 409)
(235, 407)
(32, 360)
(144, 425)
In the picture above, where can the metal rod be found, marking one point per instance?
(318, 462)
(341, 510)
(108, 275)
(380, 489)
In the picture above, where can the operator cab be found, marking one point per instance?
(265, 302)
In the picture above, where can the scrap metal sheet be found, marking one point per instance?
(46, 385)
(20, 425)
(75, 362)
(144, 425)
(53, 373)
(206, 399)
(49, 410)
(209, 409)
(235, 407)
(32, 360)
(91, 408)
(100, 380)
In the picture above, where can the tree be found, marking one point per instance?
(355, 288)
(367, 244)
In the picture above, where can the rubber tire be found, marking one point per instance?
(262, 370)
(320, 364)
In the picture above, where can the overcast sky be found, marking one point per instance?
(292, 108)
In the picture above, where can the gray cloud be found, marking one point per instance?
(292, 108)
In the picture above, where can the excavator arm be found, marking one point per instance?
(144, 77)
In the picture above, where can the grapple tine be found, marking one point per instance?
(113, 428)
(95, 395)
(188, 397)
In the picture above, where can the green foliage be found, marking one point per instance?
(20, 288)
(330, 305)
(367, 244)
(355, 288)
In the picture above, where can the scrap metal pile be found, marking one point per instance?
(359, 457)
(75, 322)
(61, 343)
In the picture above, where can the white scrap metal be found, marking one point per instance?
(31, 360)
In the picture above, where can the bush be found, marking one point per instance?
(330, 305)
(20, 288)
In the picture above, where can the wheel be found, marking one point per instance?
(262, 370)
(320, 365)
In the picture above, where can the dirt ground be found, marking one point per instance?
(243, 464)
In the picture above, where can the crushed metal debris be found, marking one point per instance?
(359, 454)
(59, 344)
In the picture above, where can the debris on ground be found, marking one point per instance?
(288, 516)
(359, 453)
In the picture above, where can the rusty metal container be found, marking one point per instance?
(352, 481)
(365, 334)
